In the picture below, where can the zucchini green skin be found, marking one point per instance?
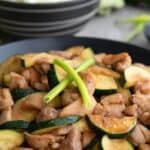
(52, 77)
(16, 124)
(46, 126)
(100, 92)
(100, 131)
(20, 93)
(125, 144)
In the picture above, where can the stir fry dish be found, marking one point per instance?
(74, 100)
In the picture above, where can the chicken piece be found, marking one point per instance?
(41, 141)
(34, 102)
(112, 106)
(42, 68)
(70, 95)
(62, 130)
(87, 137)
(90, 81)
(140, 135)
(118, 61)
(6, 100)
(144, 147)
(17, 81)
(131, 110)
(23, 148)
(70, 53)
(77, 108)
(143, 87)
(143, 103)
(6, 115)
(31, 75)
(112, 99)
(47, 113)
(72, 141)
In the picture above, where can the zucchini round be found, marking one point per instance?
(10, 139)
(114, 127)
(133, 74)
(16, 124)
(115, 144)
(47, 126)
(105, 85)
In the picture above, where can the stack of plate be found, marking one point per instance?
(45, 19)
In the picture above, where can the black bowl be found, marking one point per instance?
(98, 45)
(30, 6)
(49, 15)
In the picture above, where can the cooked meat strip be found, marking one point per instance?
(42, 68)
(31, 75)
(77, 108)
(140, 135)
(62, 130)
(6, 115)
(87, 137)
(131, 110)
(72, 141)
(47, 113)
(143, 103)
(112, 106)
(42, 141)
(17, 81)
(118, 61)
(143, 87)
(69, 53)
(70, 95)
(35, 79)
(6, 100)
(144, 147)
(34, 101)
(23, 148)
(90, 81)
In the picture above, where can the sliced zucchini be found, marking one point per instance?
(16, 124)
(20, 93)
(11, 64)
(114, 127)
(28, 60)
(105, 85)
(47, 126)
(134, 74)
(9, 139)
(115, 144)
(55, 75)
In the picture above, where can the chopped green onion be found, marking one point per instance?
(72, 73)
(64, 83)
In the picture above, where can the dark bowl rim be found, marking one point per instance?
(45, 4)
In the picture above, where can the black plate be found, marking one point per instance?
(99, 45)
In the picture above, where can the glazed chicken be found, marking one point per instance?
(75, 100)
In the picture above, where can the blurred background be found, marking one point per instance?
(120, 20)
